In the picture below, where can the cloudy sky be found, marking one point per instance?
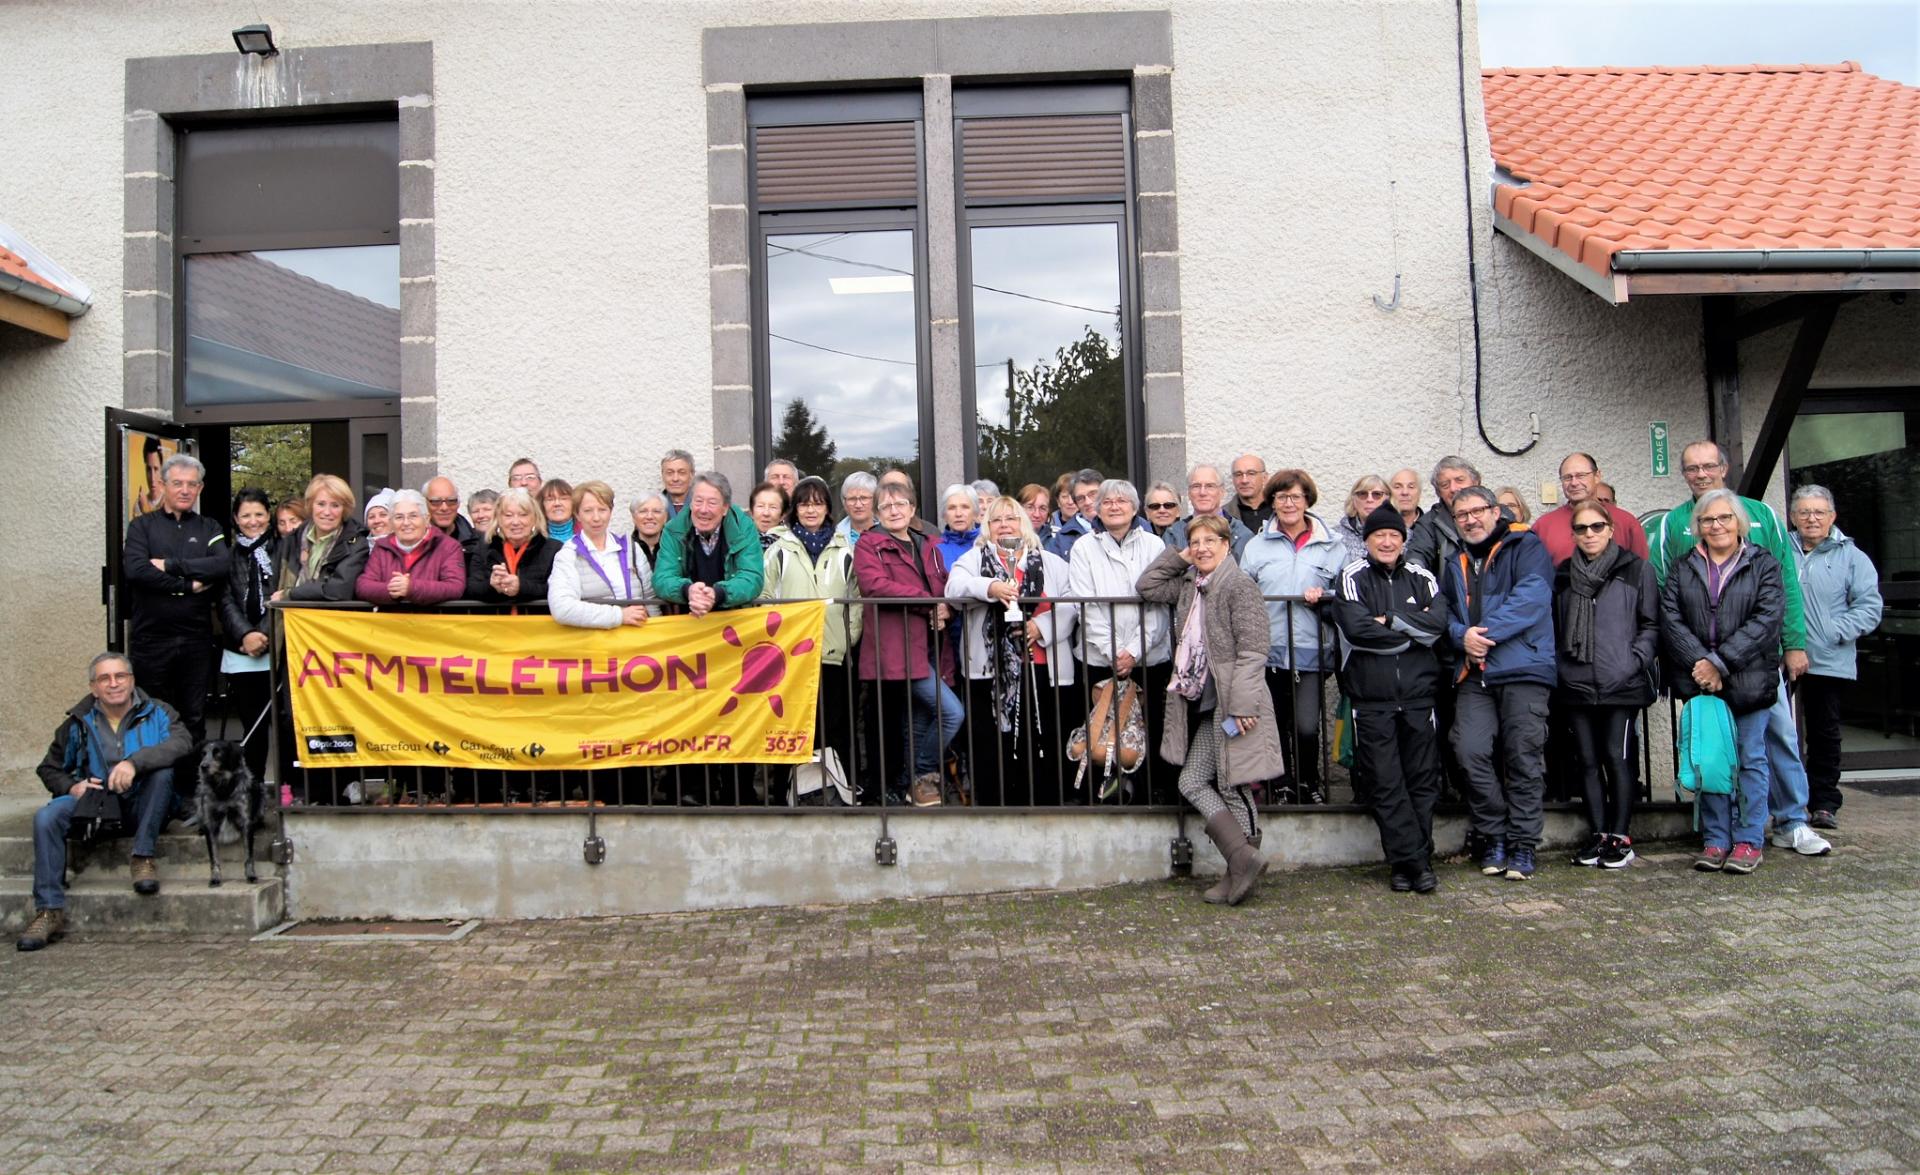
(1882, 35)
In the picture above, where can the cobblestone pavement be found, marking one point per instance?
(1657, 1018)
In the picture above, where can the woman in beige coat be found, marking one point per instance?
(1219, 717)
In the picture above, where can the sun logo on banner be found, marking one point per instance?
(763, 667)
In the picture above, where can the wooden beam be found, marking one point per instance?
(41, 320)
(1794, 378)
(1791, 308)
(1642, 284)
(1722, 348)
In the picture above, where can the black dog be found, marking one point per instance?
(226, 793)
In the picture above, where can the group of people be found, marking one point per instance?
(1465, 637)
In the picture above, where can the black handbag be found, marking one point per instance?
(96, 816)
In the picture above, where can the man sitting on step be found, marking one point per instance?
(118, 739)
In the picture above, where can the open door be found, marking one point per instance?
(136, 447)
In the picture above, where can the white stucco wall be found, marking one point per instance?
(572, 293)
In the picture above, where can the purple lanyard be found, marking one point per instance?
(626, 572)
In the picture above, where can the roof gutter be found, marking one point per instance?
(1763, 260)
(35, 292)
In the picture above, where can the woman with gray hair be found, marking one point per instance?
(418, 564)
(856, 504)
(1840, 590)
(1123, 640)
(1721, 615)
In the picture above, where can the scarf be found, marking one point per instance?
(259, 559)
(711, 539)
(1008, 639)
(560, 532)
(1585, 578)
(815, 541)
(767, 539)
(317, 547)
(1190, 669)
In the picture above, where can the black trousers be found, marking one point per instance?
(1022, 767)
(1396, 771)
(247, 695)
(1606, 745)
(1453, 778)
(1504, 801)
(1820, 701)
(1296, 707)
(179, 673)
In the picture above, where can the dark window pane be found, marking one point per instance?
(1050, 385)
(293, 326)
(843, 364)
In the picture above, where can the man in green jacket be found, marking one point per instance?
(1704, 464)
(709, 552)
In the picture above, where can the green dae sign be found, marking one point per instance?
(1657, 438)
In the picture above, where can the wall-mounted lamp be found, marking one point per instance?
(255, 38)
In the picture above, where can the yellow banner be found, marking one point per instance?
(525, 692)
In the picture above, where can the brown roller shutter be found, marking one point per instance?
(1067, 155)
(835, 164)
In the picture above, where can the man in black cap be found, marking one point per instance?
(1390, 614)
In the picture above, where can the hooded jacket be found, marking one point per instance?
(1840, 591)
(439, 571)
(1281, 569)
(1390, 666)
(792, 574)
(743, 569)
(1626, 637)
(151, 736)
(1236, 640)
(896, 638)
(1101, 567)
(1510, 594)
(1739, 633)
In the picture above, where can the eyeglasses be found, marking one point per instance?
(1472, 512)
(1811, 513)
(1371, 494)
(1690, 470)
(1290, 497)
(1163, 505)
(406, 516)
(1582, 476)
(1241, 474)
(1714, 521)
(443, 501)
(1591, 527)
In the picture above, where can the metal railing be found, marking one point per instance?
(1001, 758)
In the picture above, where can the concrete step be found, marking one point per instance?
(97, 903)
(182, 856)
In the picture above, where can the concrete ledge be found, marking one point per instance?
(459, 865)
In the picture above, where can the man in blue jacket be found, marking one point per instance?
(118, 740)
(1499, 589)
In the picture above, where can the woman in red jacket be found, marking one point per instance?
(900, 642)
(417, 564)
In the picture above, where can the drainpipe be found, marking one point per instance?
(1764, 260)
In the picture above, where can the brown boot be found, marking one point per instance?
(146, 876)
(46, 926)
(1244, 862)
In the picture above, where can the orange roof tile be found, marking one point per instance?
(13, 263)
(1706, 157)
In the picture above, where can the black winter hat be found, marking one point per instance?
(1384, 517)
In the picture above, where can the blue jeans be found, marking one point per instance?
(148, 801)
(1720, 825)
(935, 708)
(1789, 795)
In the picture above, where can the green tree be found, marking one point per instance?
(804, 441)
(277, 458)
(1067, 413)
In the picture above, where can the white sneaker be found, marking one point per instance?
(1803, 840)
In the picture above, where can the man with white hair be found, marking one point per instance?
(1841, 591)
(175, 563)
(1207, 493)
